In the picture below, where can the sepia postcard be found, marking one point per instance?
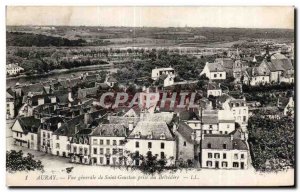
(150, 96)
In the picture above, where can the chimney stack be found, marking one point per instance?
(130, 125)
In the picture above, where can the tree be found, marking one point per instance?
(16, 161)
(271, 142)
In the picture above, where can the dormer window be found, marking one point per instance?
(162, 136)
(209, 145)
(149, 136)
(137, 135)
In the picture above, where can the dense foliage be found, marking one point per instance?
(16, 161)
(29, 39)
(272, 143)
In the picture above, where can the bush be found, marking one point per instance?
(15, 161)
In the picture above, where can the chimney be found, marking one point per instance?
(130, 125)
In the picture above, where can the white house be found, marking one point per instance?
(214, 89)
(214, 71)
(80, 149)
(157, 72)
(25, 132)
(13, 69)
(256, 76)
(210, 123)
(10, 106)
(225, 151)
(154, 137)
(107, 144)
(226, 121)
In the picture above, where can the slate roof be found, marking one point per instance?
(215, 67)
(29, 124)
(51, 123)
(109, 130)
(185, 131)
(123, 120)
(157, 128)
(213, 86)
(71, 127)
(8, 96)
(217, 142)
(188, 115)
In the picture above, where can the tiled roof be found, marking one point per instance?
(71, 127)
(156, 128)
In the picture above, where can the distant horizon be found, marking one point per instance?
(263, 17)
(141, 26)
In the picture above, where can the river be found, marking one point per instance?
(57, 74)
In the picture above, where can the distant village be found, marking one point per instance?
(63, 117)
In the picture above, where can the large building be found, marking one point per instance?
(154, 137)
(13, 69)
(225, 151)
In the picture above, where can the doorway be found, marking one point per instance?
(217, 164)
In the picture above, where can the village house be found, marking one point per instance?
(80, 150)
(48, 126)
(154, 137)
(157, 72)
(187, 148)
(25, 132)
(13, 69)
(225, 151)
(192, 119)
(226, 121)
(107, 144)
(213, 89)
(210, 122)
(10, 106)
(256, 75)
(214, 71)
(62, 136)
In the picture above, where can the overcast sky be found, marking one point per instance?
(248, 17)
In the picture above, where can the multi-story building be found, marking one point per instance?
(154, 137)
(25, 132)
(107, 143)
(225, 151)
(13, 69)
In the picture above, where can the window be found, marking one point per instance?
(57, 145)
(75, 149)
(224, 164)
(95, 151)
(149, 145)
(162, 155)
(224, 146)
(101, 160)
(209, 155)
(242, 156)
(210, 126)
(85, 151)
(80, 150)
(208, 163)
(95, 160)
(95, 142)
(48, 135)
(236, 156)
(217, 155)
(235, 164)
(244, 118)
(210, 131)
(226, 132)
(114, 160)
(115, 151)
(114, 142)
(57, 137)
(162, 145)
(120, 142)
(108, 151)
(101, 151)
(220, 75)
(137, 144)
(215, 75)
(184, 143)
(101, 142)
(209, 145)
(221, 132)
(204, 131)
(228, 126)
(107, 142)
(224, 155)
